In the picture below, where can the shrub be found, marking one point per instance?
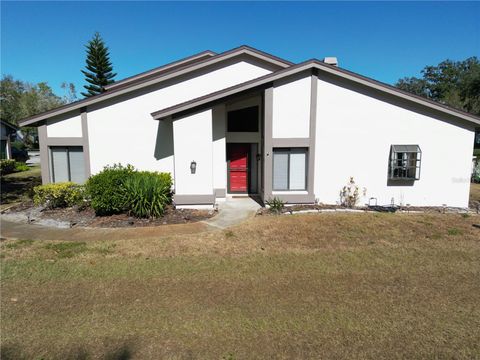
(147, 193)
(350, 194)
(58, 195)
(107, 189)
(476, 172)
(276, 205)
(7, 166)
(20, 166)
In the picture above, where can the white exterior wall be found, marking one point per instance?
(219, 148)
(354, 135)
(125, 132)
(291, 109)
(192, 137)
(69, 127)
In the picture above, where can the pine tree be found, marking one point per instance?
(99, 68)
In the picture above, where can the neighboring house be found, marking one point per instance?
(246, 122)
(6, 133)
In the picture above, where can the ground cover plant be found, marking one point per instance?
(376, 286)
(57, 195)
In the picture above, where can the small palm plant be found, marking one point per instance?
(275, 205)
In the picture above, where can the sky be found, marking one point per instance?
(44, 41)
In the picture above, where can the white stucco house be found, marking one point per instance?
(247, 122)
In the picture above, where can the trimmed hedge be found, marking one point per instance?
(58, 195)
(107, 189)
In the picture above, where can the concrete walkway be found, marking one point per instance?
(233, 211)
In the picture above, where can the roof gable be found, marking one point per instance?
(162, 69)
(159, 75)
(319, 66)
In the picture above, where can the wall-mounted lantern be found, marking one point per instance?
(193, 167)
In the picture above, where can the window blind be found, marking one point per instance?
(297, 170)
(59, 164)
(280, 171)
(67, 164)
(77, 166)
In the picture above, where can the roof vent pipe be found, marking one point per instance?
(331, 61)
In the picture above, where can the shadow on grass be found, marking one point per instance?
(14, 189)
(123, 351)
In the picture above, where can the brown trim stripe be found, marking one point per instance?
(194, 199)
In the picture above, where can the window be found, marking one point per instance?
(67, 164)
(404, 162)
(243, 120)
(290, 169)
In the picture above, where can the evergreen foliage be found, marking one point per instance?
(453, 83)
(98, 73)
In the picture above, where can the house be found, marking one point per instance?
(247, 122)
(7, 130)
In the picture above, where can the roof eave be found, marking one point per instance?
(188, 60)
(168, 75)
(314, 63)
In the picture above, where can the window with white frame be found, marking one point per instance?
(289, 169)
(67, 164)
(405, 162)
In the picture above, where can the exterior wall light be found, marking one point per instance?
(193, 167)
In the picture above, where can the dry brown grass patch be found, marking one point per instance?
(308, 286)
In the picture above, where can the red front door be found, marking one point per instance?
(237, 156)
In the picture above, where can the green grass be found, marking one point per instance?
(454, 232)
(67, 249)
(377, 286)
(19, 244)
(33, 171)
(17, 186)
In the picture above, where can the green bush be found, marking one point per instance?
(59, 195)
(107, 189)
(21, 166)
(7, 166)
(147, 193)
(276, 205)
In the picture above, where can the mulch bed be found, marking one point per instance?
(87, 217)
(425, 209)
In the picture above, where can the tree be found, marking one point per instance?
(99, 68)
(453, 83)
(21, 99)
(70, 92)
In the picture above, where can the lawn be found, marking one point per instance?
(16, 187)
(378, 286)
(474, 195)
